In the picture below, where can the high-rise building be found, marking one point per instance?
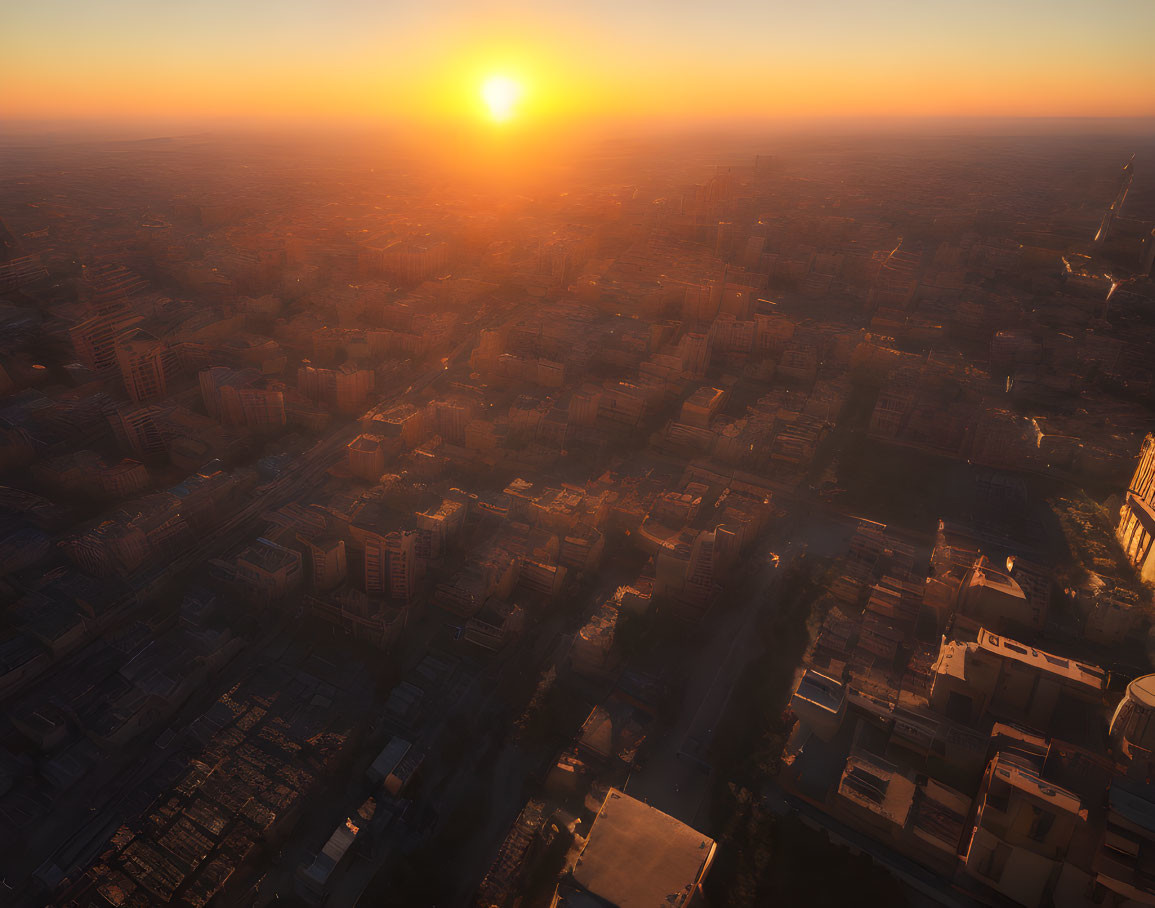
(401, 557)
(95, 338)
(366, 456)
(242, 397)
(694, 350)
(583, 405)
(449, 419)
(1136, 528)
(374, 566)
(700, 573)
(110, 282)
(257, 406)
(346, 388)
(136, 429)
(403, 422)
(436, 526)
(214, 379)
(326, 561)
(351, 388)
(146, 364)
(408, 262)
(390, 567)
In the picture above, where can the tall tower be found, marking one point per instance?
(146, 364)
(1136, 529)
(376, 575)
(95, 338)
(401, 556)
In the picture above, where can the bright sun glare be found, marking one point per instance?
(500, 94)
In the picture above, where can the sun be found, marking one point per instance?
(501, 95)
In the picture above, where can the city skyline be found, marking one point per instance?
(535, 455)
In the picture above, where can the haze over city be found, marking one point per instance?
(577, 455)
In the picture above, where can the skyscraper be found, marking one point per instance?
(145, 367)
(1136, 528)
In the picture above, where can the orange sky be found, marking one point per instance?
(648, 59)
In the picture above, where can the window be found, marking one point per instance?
(1041, 827)
(995, 862)
(958, 707)
(998, 798)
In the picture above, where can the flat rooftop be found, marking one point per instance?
(1077, 672)
(878, 786)
(638, 857)
(1030, 782)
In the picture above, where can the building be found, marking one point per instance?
(694, 349)
(820, 702)
(581, 549)
(638, 857)
(375, 574)
(584, 404)
(258, 406)
(1111, 610)
(391, 565)
(269, 571)
(366, 457)
(1023, 827)
(495, 624)
(394, 766)
(146, 364)
(994, 599)
(86, 472)
(438, 526)
(1136, 528)
(138, 429)
(622, 403)
(327, 561)
(407, 262)
(1133, 723)
(540, 576)
(1123, 863)
(701, 407)
(214, 379)
(242, 397)
(141, 531)
(346, 388)
(403, 422)
(685, 567)
(378, 622)
(1009, 680)
(401, 558)
(593, 653)
(95, 339)
(876, 794)
(313, 880)
(449, 419)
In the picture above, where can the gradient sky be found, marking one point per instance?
(639, 59)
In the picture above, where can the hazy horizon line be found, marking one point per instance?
(143, 128)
